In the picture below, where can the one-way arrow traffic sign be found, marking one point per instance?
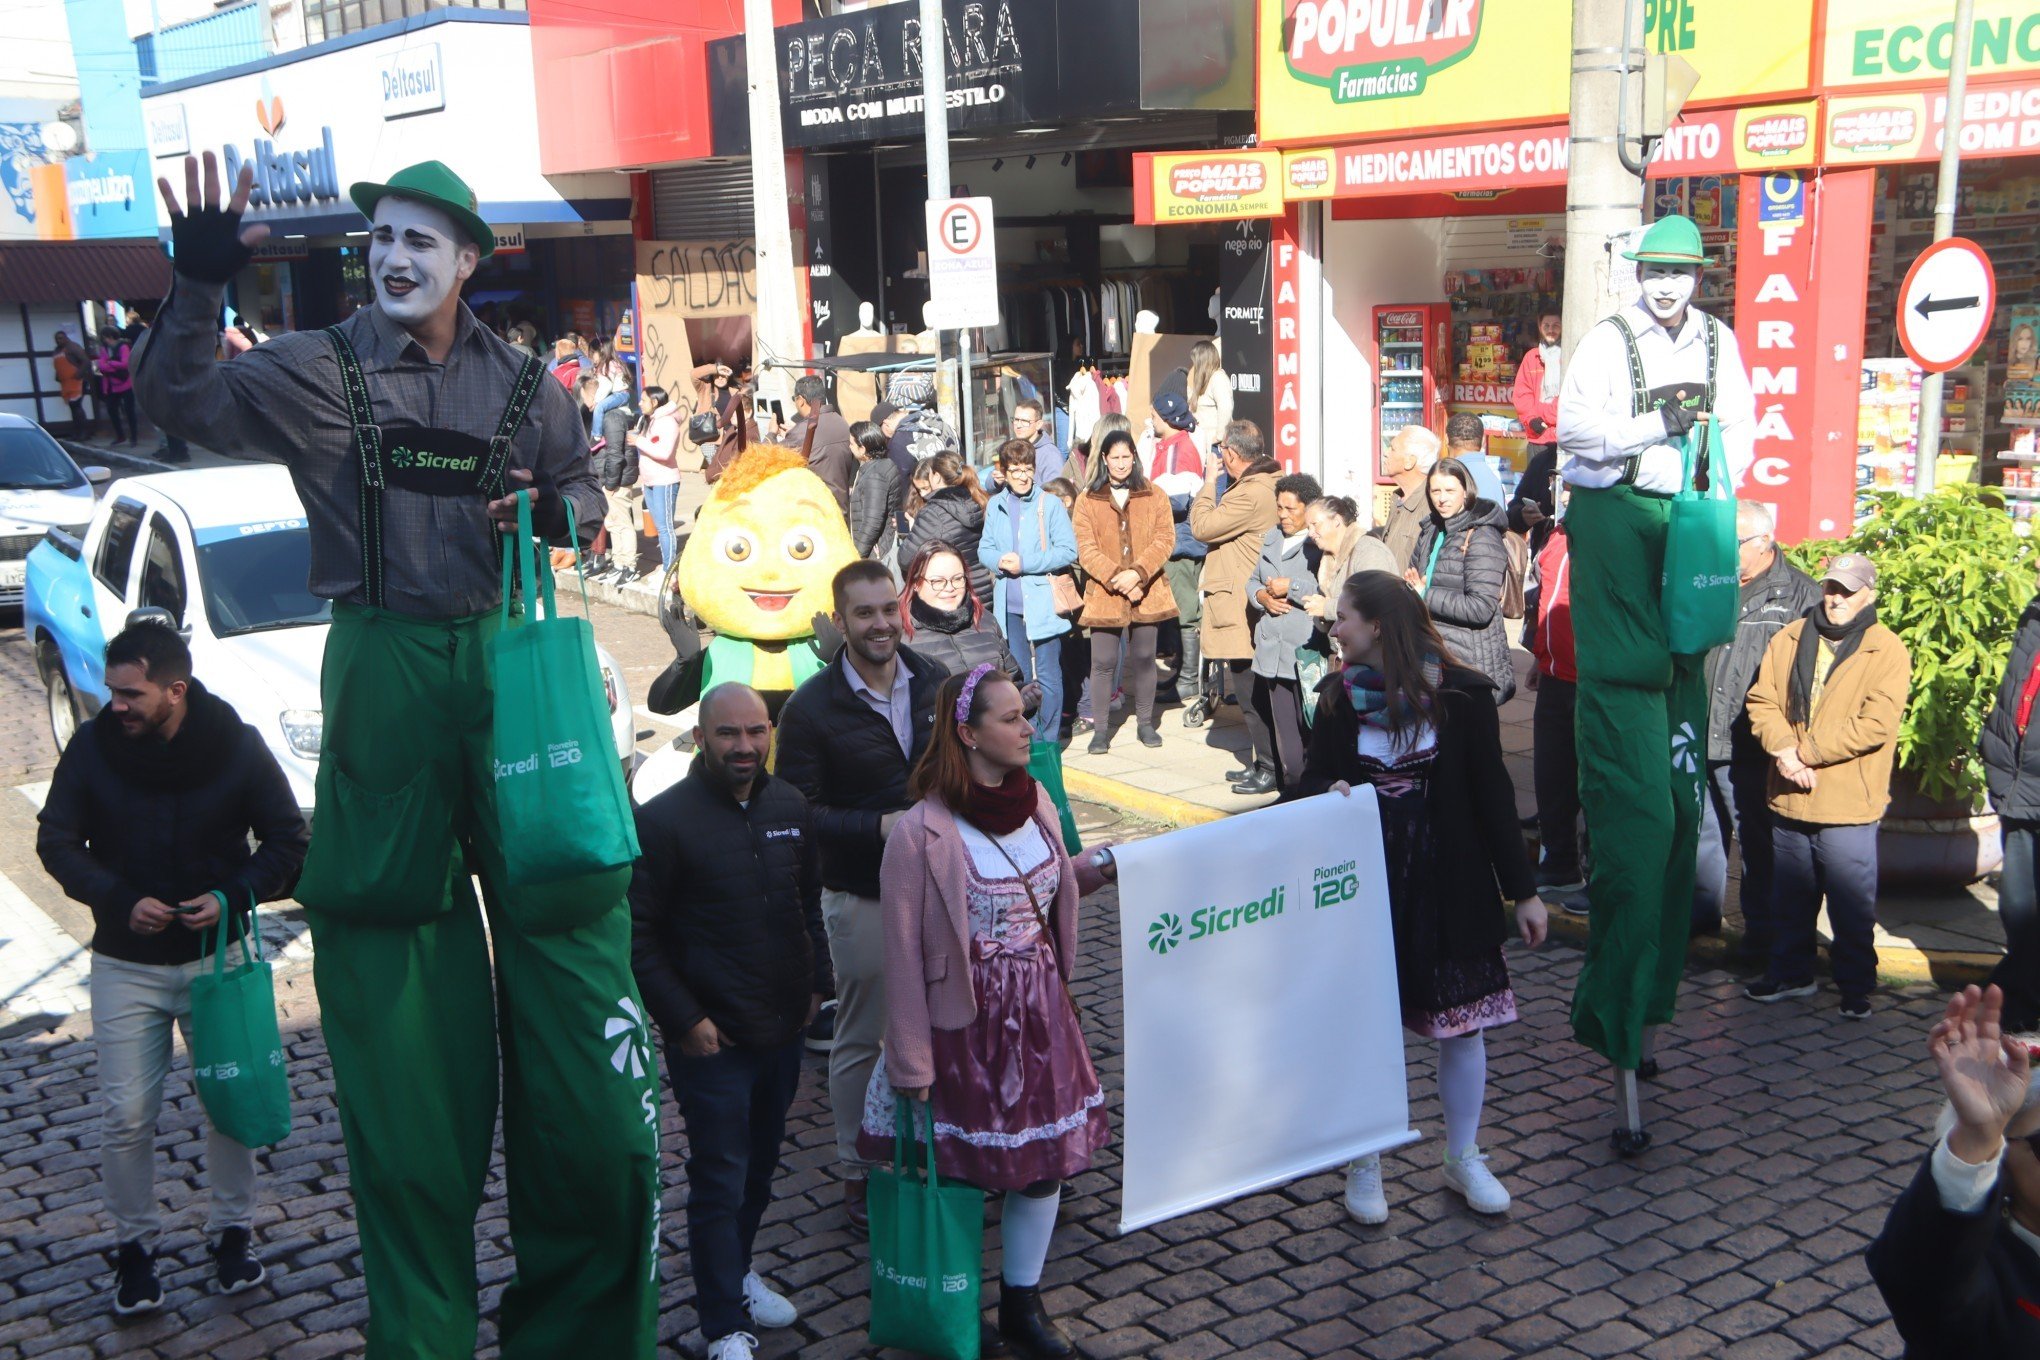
(1945, 305)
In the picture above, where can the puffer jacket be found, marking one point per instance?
(1783, 593)
(726, 911)
(875, 500)
(616, 462)
(2009, 765)
(958, 643)
(1464, 593)
(951, 516)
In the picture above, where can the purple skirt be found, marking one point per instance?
(1016, 1099)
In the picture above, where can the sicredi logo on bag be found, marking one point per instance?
(558, 755)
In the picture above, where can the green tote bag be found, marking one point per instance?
(1702, 589)
(568, 835)
(927, 1243)
(1044, 762)
(236, 1049)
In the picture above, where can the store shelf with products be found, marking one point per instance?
(1888, 418)
(1412, 344)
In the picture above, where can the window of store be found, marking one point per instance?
(336, 18)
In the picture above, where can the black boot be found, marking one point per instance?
(1190, 679)
(1028, 1328)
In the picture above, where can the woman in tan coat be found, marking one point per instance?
(1233, 528)
(1125, 534)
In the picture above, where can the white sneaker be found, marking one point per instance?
(767, 1306)
(735, 1346)
(1471, 1178)
(1365, 1200)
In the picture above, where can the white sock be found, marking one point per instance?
(1462, 1088)
(1024, 1232)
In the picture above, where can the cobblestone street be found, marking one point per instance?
(1783, 1134)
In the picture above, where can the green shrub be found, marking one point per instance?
(1953, 575)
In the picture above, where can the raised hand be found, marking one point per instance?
(1984, 1073)
(207, 239)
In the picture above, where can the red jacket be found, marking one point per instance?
(1553, 645)
(1529, 405)
(1176, 453)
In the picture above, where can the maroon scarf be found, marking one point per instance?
(1002, 808)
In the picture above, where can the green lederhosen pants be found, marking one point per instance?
(1641, 727)
(411, 1020)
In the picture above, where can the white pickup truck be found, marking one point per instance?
(225, 552)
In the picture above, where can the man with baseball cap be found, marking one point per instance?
(1826, 709)
(1640, 382)
(411, 433)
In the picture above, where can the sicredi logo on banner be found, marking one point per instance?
(413, 82)
(1385, 50)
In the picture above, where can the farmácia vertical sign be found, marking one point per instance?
(1333, 68)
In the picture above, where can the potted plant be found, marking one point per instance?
(1954, 573)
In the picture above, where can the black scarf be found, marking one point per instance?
(1845, 638)
(201, 749)
(957, 620)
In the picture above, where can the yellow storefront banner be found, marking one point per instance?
(1340, 69)
(1888, 42)
(1308, 174)
(2000, 119)
(1206, 186)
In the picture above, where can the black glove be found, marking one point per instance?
(1678, 418)
(1538, 424)
(207, 244)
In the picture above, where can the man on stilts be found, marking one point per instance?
(411, 433)
(1640, 382)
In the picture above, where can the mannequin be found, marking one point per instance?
(864, 319)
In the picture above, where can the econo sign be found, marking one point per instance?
(1378, 49)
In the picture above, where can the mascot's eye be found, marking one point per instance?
(736, 546)
(800, 545)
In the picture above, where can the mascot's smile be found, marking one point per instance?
(771, 601)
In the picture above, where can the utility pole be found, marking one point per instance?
(1935, 384)
(776, 328)
(1603, 198)
(935, 133)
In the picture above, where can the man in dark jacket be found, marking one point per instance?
(1958, 1261)
(147, 823)
(1733, 801)
(2013, 773)
(730, 956)
(823, 436)
(848, 738)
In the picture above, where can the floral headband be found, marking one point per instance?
(970, 684)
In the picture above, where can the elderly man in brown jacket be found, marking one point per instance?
(1826, 708)
(1232, 527)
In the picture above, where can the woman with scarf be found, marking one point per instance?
(1826, 708)
(980, 906)
(1459, 568)
(1125, 534)
(1407, 717)
(941, 620)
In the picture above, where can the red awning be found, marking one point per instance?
(81, 271)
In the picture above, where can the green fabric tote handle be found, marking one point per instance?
(525, 552)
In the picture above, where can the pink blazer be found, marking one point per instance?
(927, 931)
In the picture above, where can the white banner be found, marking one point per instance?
(1263, 1035)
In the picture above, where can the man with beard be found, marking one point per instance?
(733, 962)
(1640, 380)
(411, 433)
(848, 739)
(147, 823)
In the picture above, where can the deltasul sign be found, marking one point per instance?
(1365, 50)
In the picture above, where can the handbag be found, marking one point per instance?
(564, 821)
(1312, 666)
(1044, 763)
(236, 1050)
(1062, 586)
(1701, 597)
(703, 428)
(926, 1250)
(1517, 546)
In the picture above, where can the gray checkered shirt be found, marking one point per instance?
(284, 399)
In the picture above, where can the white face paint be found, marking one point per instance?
(1667, 289)
(417, 260)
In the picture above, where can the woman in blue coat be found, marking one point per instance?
(1028, 539)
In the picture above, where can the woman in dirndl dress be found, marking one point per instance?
(1407, 717)
(980, 904)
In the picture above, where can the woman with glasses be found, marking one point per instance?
(943, 621)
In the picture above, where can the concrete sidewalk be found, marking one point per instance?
(1951, 939)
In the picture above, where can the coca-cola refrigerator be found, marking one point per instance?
(1412, 369)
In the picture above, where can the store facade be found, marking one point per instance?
(1421, 263)
(452, 85)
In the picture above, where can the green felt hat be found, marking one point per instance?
(1670, 240)
(430, 182)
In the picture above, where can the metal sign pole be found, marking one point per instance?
(1933, 387)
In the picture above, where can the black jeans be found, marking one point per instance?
(1275, 722)
(734, 1104)
(120, 409)
(1840, 863)
(1734, 804)
(2019, 912)
(1555, 768)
